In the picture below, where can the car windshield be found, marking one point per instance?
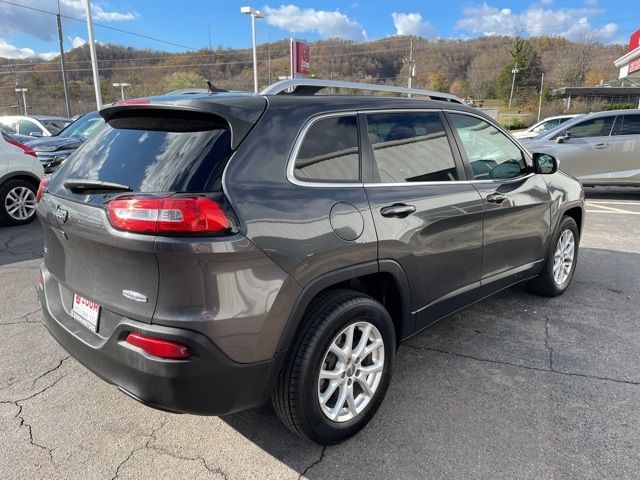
(84, 127)
(55, 126)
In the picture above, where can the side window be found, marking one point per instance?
(491, 153)
(410, 147)
(25, 127)
(594, 127)
(630, 125)
(546, 126)
(329, 151)
(8, 125)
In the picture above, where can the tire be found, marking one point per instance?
(297, 395)
(547, 283)
(20, 194)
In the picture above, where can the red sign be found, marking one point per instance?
(299, 58)
(634, 41)
(634, 66)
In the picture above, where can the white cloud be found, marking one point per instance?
(43, 26)
(48, 55)
(571, 23)
(326, 23)
(77, 42)
(11, 51)
(412, 24)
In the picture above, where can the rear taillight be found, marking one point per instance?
(167, 215)
(25, 148)
(159, 347)
(44, 183)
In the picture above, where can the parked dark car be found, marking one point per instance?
(54, 150)
(209, 252)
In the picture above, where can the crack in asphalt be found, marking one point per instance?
(546, 342)
(51, 370)
(148, 446)
(317, 462)
(23, 421)
(5, 245)
(22, 318)
(526, 367)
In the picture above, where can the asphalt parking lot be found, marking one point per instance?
(515, 387)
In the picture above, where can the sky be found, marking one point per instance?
(186, 24)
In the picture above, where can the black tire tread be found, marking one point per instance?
(543, 284)
(287, 385)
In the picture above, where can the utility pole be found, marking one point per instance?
(16, 83)
(121, 85)
(540, 101)
(64, 75)
(92, 49)
(412, 66)
(24, 98)
(513, 82)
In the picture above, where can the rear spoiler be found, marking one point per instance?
(239, 113)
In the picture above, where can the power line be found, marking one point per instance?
(100, 25)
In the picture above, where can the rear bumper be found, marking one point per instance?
(208, 383)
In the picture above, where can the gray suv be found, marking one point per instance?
(206, 253)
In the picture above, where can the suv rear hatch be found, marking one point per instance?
(159, 152)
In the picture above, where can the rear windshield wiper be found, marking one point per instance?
(94, 186)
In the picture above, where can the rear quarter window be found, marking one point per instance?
(152, 154)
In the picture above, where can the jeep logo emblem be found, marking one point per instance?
(61, 214)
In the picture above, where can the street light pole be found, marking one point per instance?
(513, 82)
(92, 49)
(24, 98)
(254, 14)
(122, 85)
(64, 74)
(540, 100)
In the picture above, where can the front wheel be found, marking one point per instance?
(560, 264)
(338, 369)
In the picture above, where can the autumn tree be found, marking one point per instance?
(529, 71)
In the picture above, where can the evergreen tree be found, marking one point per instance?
(527, 81)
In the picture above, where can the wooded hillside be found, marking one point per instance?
(477, 68)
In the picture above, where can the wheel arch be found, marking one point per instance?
(21, 175)
(383, 280)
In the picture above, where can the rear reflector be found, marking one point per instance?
(159, 347)
(167, 215)
(44, 183)
(25, 148)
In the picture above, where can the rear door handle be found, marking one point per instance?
(601, 146)
(496, 198)
(397, 210)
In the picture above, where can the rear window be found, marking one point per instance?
(152, 154)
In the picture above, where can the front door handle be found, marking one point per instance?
(496, 198)
(397, 210)
(601, 146)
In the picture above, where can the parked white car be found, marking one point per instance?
(34, 126)
(20, 174)
(542, 126)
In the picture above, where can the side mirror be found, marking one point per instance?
(563, 137)
(544, 163)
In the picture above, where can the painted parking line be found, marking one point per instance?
(607, 207)
(620, 212)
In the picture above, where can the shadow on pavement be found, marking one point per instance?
(612, 193)
(512, 385)
(21, 243)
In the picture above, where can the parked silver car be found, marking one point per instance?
(601, 148)
(542, 126)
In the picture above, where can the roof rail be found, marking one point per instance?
(310, 86)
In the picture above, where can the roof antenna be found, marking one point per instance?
(214, 89)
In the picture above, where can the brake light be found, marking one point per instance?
(25, 148)
(159, 347)
(44, 183)
(167, 215)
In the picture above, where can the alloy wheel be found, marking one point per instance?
(564, 256)
(20, 203)
(351, 371)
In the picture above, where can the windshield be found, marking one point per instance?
(55, 126)
(84, 127)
